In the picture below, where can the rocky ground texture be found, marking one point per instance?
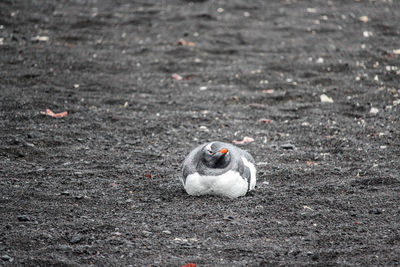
(314, 83)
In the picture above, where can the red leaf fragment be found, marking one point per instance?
(185, 43)
(268, 91)
(188, 77)
(265, 121)
(189, 265)
(246, 139)
(148, 175)
(55, 115)
(177, 77)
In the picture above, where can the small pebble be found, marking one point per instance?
(204, 128)
(364, 19)
(40, 38)
(167, 232)
(375, 211)
(146, 233)
(374, 111)
(367, 34)
(288, 146)
(23, 218)
(27, 144)
(326, 99)
(76, 238)
(31, 135)
(6, 258)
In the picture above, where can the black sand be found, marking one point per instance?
(100, 186)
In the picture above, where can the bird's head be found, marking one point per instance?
(215, 155)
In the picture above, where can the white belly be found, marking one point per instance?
(229, 184)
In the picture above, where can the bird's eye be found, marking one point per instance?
(209, 151)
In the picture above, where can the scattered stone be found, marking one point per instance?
(320, 60)
(23, 218)
(307, 208)
(367, 34)
(27, 144)
(311, 10)
(204, 128)
(40, 38)
(146, 233)
(16, 141)
(65, 247)
(375, 211)
(76, 238)
(6, 258)
(391, 68)
(116, 233)
(325, 99)
(31, 135)
(374, 111)
(167, 232)
(288, 146)
(364, 19)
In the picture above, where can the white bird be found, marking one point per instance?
(218, 168)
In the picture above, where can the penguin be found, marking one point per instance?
(218, 168)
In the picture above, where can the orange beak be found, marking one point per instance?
(224, 151)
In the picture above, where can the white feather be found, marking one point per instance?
(229, 184)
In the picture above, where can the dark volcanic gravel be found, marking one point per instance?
(144, 82)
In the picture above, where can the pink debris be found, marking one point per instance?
(265, 121)
(177, 77)
(245, 140)
(268, 91)
(55, 115)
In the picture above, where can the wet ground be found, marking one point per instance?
(315, 83)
